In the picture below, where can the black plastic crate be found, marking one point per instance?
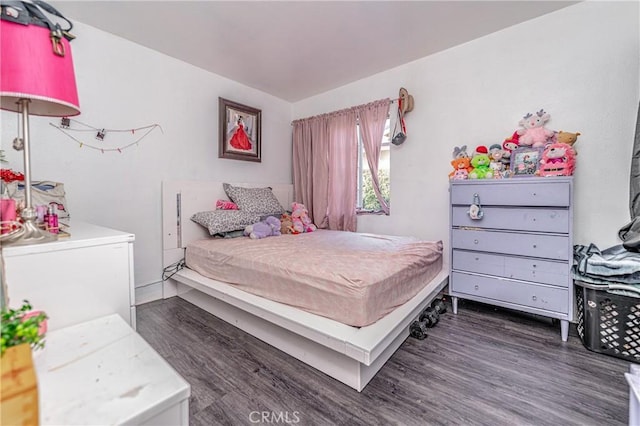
(608, 323)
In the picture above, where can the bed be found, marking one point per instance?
(351, 354)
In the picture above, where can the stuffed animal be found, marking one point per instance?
(512, 142)
(461, 167)
(286, 224)
(495, 156)
(461, 174)
(266, 228)
(568, 138)
(558, 159)
(480, 163)
(226, 205)
(460, 152)
(533, 133)
(508, 146)
(300, 218)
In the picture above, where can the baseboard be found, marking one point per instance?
(149, 293)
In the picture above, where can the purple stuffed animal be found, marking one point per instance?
(270, 227)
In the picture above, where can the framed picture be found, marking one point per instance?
(525, 161)
(239, 131)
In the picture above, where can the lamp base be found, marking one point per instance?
(30, 233)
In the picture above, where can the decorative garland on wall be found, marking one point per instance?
(100, 134)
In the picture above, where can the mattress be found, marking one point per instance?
(353, 278)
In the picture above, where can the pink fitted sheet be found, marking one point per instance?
(353, 278)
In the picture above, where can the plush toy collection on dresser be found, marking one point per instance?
(532, 150)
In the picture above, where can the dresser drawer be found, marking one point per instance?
(538, 193)
(530, 295)
(520, 268)
(516, 219)
(533, 245)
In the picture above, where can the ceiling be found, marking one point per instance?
(297, 49)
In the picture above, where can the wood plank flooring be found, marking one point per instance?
(484, 366)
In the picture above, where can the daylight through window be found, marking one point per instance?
(367, 200)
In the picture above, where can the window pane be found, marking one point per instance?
(367, 199)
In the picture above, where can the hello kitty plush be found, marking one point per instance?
(533, 133)
(496, 165)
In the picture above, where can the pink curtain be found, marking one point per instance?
(311, 167)
(372, 118)
(343, 170)
(325, 162)
(320, 171)
(302, 165)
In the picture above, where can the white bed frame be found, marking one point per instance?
(349, 354)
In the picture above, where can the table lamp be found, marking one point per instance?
(36, 78)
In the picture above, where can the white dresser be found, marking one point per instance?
(74, 279)
(519, 254)
(101, 372)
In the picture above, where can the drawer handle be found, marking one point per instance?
(534, 265)
(475, 209)
(535, 246)
(477, 258)
(476, 287)
(475, 241)
(534, 194)
(534, 298)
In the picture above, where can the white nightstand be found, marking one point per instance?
(74, 279)
(102, 372)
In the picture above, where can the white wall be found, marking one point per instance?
(123, 85)
(581, 64)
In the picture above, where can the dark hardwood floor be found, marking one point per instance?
(483, 366)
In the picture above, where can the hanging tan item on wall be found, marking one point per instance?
(405, 101)
(401, 136)
(405, 105)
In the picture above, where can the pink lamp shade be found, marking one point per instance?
(29, 69)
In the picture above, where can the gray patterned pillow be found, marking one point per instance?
(219, 221)
(254, 200)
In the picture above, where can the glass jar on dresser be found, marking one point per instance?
(511, 245)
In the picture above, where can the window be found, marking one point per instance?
(367, 200)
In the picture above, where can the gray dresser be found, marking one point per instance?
(518, 255)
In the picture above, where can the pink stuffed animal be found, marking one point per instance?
(558, 159)
(533, 132)
(226, 205)
(460, 174)
(300, 218)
